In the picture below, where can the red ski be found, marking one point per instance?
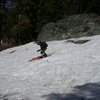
(40, 57)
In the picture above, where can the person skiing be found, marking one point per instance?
(43, 47)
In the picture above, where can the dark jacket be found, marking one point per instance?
(43, 45)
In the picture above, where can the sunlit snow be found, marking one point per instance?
(71, 73)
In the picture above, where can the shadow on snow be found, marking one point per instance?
(89, 91)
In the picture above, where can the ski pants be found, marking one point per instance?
(43, 52)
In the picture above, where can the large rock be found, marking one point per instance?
(71, 27)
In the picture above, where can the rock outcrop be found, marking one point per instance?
(71, 27)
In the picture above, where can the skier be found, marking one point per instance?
(43, 47)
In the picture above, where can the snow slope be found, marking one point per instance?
(72, 73)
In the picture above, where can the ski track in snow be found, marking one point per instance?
(54, 77)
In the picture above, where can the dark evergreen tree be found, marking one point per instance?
(23, 19)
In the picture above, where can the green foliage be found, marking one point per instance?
(2, 16)
(93, 7)
(38, 13)
(52, 10)
(23, 33)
